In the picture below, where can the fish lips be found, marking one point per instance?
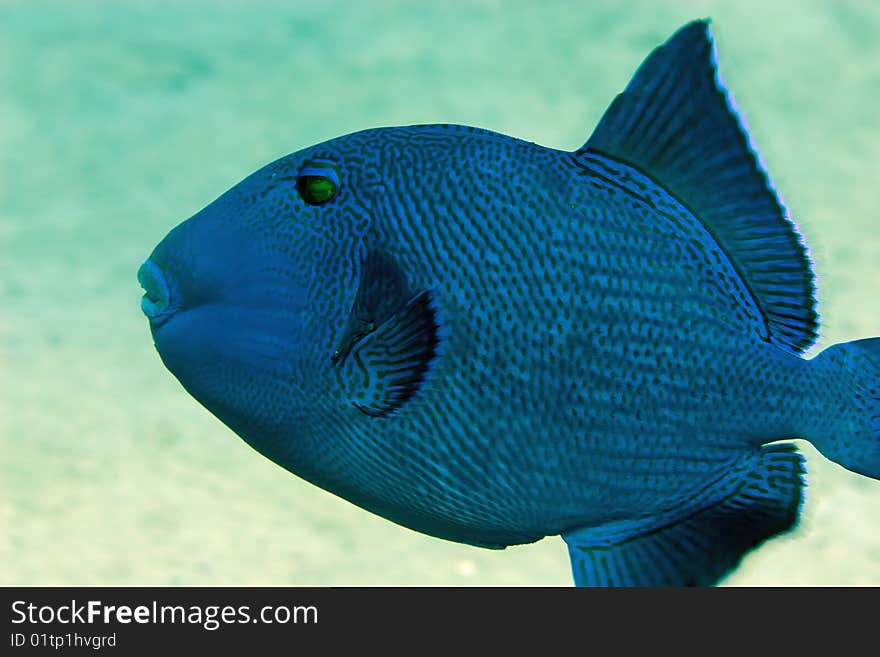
(158, 302)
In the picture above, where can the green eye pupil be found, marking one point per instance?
(316, 189)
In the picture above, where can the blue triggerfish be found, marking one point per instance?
(490, 341)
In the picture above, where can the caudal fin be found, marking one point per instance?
(849, 429)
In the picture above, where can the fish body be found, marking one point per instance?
(490, 341)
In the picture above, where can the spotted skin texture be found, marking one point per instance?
(600, 359)
(490, 341)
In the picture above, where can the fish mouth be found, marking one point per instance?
(156, 302)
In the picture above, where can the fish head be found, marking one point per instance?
(246, 298)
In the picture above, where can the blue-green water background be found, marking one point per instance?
(120, 119)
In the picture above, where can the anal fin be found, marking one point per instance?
(702, 547)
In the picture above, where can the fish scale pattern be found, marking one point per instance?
(490, 341)
(589, 341)
(598, 358)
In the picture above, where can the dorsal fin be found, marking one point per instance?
(675, 123)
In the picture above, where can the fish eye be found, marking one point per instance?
(317, 181)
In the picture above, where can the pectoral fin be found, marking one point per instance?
(386, 368)
(390, 339)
